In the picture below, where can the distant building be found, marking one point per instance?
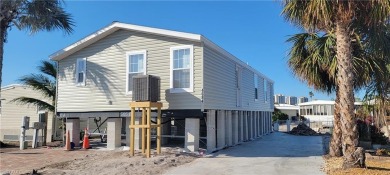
(291, 110)
(320, 110)
(280, 99)
(291, 100)
(303, 99)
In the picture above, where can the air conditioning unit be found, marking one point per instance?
(146, 88)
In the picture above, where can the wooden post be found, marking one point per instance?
(145, 126)
(143, 130)
(159, 130)
(148, 139)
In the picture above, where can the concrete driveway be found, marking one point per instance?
(274, 154)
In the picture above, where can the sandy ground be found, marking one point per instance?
(119, 162)
(375, 165)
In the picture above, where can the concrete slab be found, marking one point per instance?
(274, 154)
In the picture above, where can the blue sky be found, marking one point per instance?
(255, 32)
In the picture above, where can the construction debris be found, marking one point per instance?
(303, 130)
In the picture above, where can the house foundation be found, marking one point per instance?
(114, 133)
(191, 143)
(73, 126)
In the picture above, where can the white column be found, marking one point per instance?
(288, 125)
(254, 135)
(256, 124)
(245, 116)
(113, 133)
(73, 126)
(269, 122)
(235, 127)
(263, 122)
(228, 128)
(240, 127)
(221, 129)
(191, 143)
(211, 128)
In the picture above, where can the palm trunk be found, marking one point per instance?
(2, 39)
(345, 86)
(335, 143)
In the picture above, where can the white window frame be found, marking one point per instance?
(191, 88)
(256, 83)
(128, 54)
(84, 72)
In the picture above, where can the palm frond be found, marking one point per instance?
(33, 102)
(37, 15)
(48, 68)
(40, 83)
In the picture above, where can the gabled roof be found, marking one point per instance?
(11, 86)
(96, 36)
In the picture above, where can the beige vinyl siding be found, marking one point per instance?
(106, 73)
(219, 81)
(12, 113)
(220, 84)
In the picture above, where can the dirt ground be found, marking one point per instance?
(374, 167)
(119, 162)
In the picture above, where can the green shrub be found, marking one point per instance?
(277, 115)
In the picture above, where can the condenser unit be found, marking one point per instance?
(146, 88)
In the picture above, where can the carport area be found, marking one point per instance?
(277, 153)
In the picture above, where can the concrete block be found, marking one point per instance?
(211, 131)
(73, 126)
(221, 129)
(228, 128)
(114, 133)
(191, 143)
(235, 127)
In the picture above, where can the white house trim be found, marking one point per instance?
(144, 52)
(191, 88)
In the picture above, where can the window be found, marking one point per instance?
(181, 69)
(256, 82)
(135, 65)
(265, 91)
(81, 66)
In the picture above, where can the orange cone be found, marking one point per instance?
(67, 142)
(86, 140)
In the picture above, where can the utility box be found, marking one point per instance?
(39, 125)
(146, 88)
(26, 122)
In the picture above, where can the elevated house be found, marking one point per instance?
(199, 80)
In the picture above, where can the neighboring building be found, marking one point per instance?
(320, 110)
(291, 110)
(280, 99)
(291, 100)
(303, 100)
(11, 115)
(199, 80)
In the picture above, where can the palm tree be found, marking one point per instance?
(45, 84)
(312, 59)
(311, 94)
(342, 18)
(33, 16)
